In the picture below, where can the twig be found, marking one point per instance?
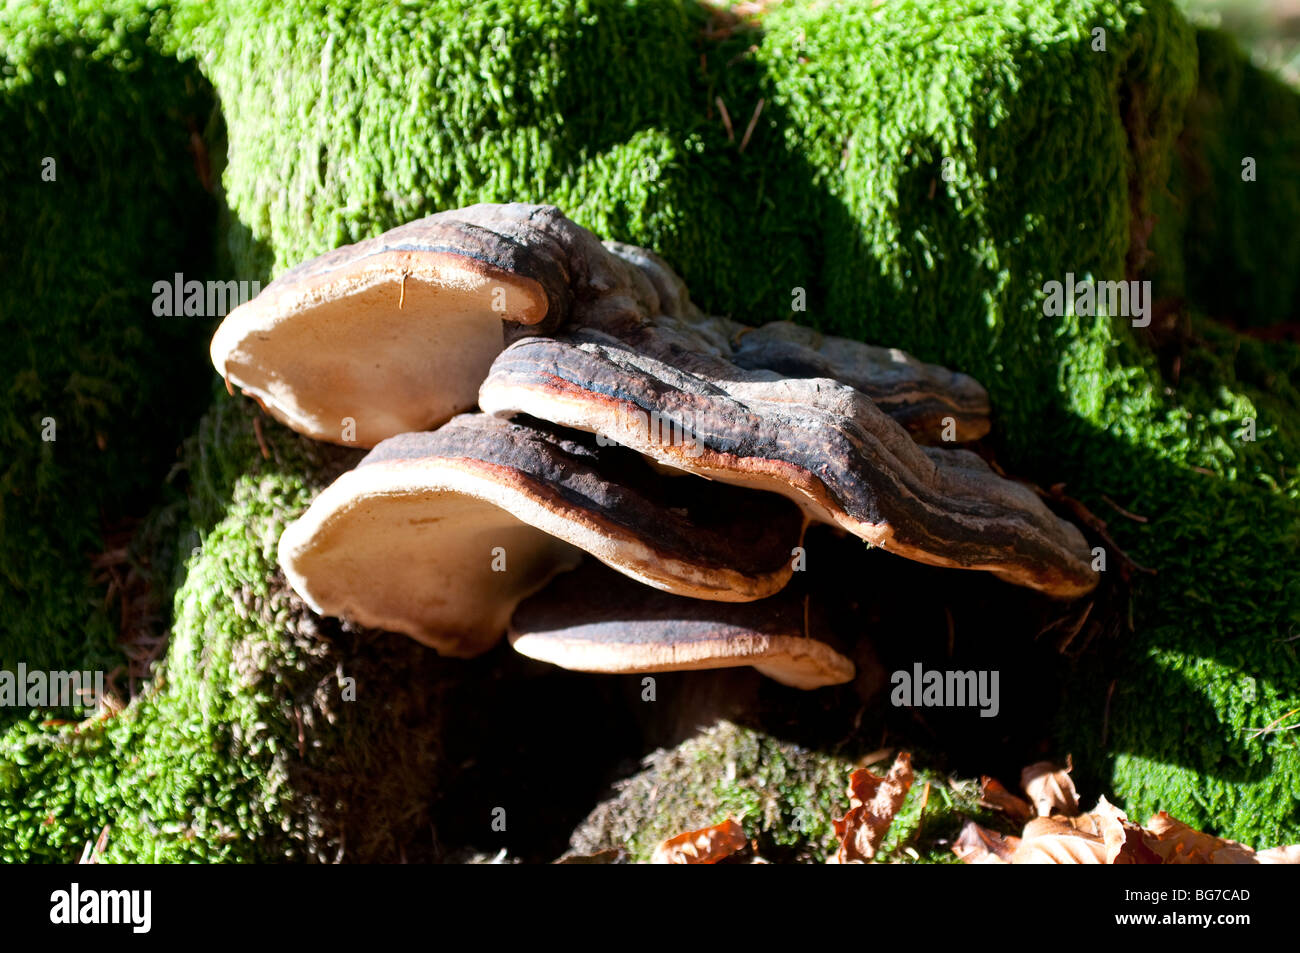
(1276, 332)
(920, 819)
(261, 440)
(1123, 512)
(753, 121)
(1097, 525)
(875, 757)
(1075, 629)
(1271, 727)
(202, 162)
(726, 118)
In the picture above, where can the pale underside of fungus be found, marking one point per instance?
(394, 333)
(607, 396)
(439, 534)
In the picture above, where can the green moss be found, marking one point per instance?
(958, 145)
(1208, 662)
(1057, 151)
(245, 747)
(383, 113)
(85, 86)
(784, 795)
(1241, 244)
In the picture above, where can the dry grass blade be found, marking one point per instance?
(726, 118)
(91, 855)
(753, 121)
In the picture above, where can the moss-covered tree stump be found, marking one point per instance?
(916, 175)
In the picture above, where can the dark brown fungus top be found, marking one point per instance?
(820, 443)
(593, 620)
(440, 534)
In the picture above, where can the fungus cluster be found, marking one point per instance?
(540, 403)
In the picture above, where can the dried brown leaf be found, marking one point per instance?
(1050, 789)
(1124, 840)
(873, 802)
(994, 795)
(1279, 855)
(1177, 843)
(705, 846)
(1086, 824)
(1061, 840)
(1060, 826)
(1104, 835)
(1072, 848)
(979, 845)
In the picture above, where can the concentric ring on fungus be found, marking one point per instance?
(818, 442)
(440, 534)
(593, 620)
(395, 333)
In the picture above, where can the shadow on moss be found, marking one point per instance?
(85, 361)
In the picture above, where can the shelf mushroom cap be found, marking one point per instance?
(932, 402)
(818, 442)
(593, 620)
(936, 405)
(439, 535)
(394, 333)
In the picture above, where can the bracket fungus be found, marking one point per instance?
(440, 534)
(933, 403)
(592, 620)
(607, 393)
(820, 443)
(395, 333)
